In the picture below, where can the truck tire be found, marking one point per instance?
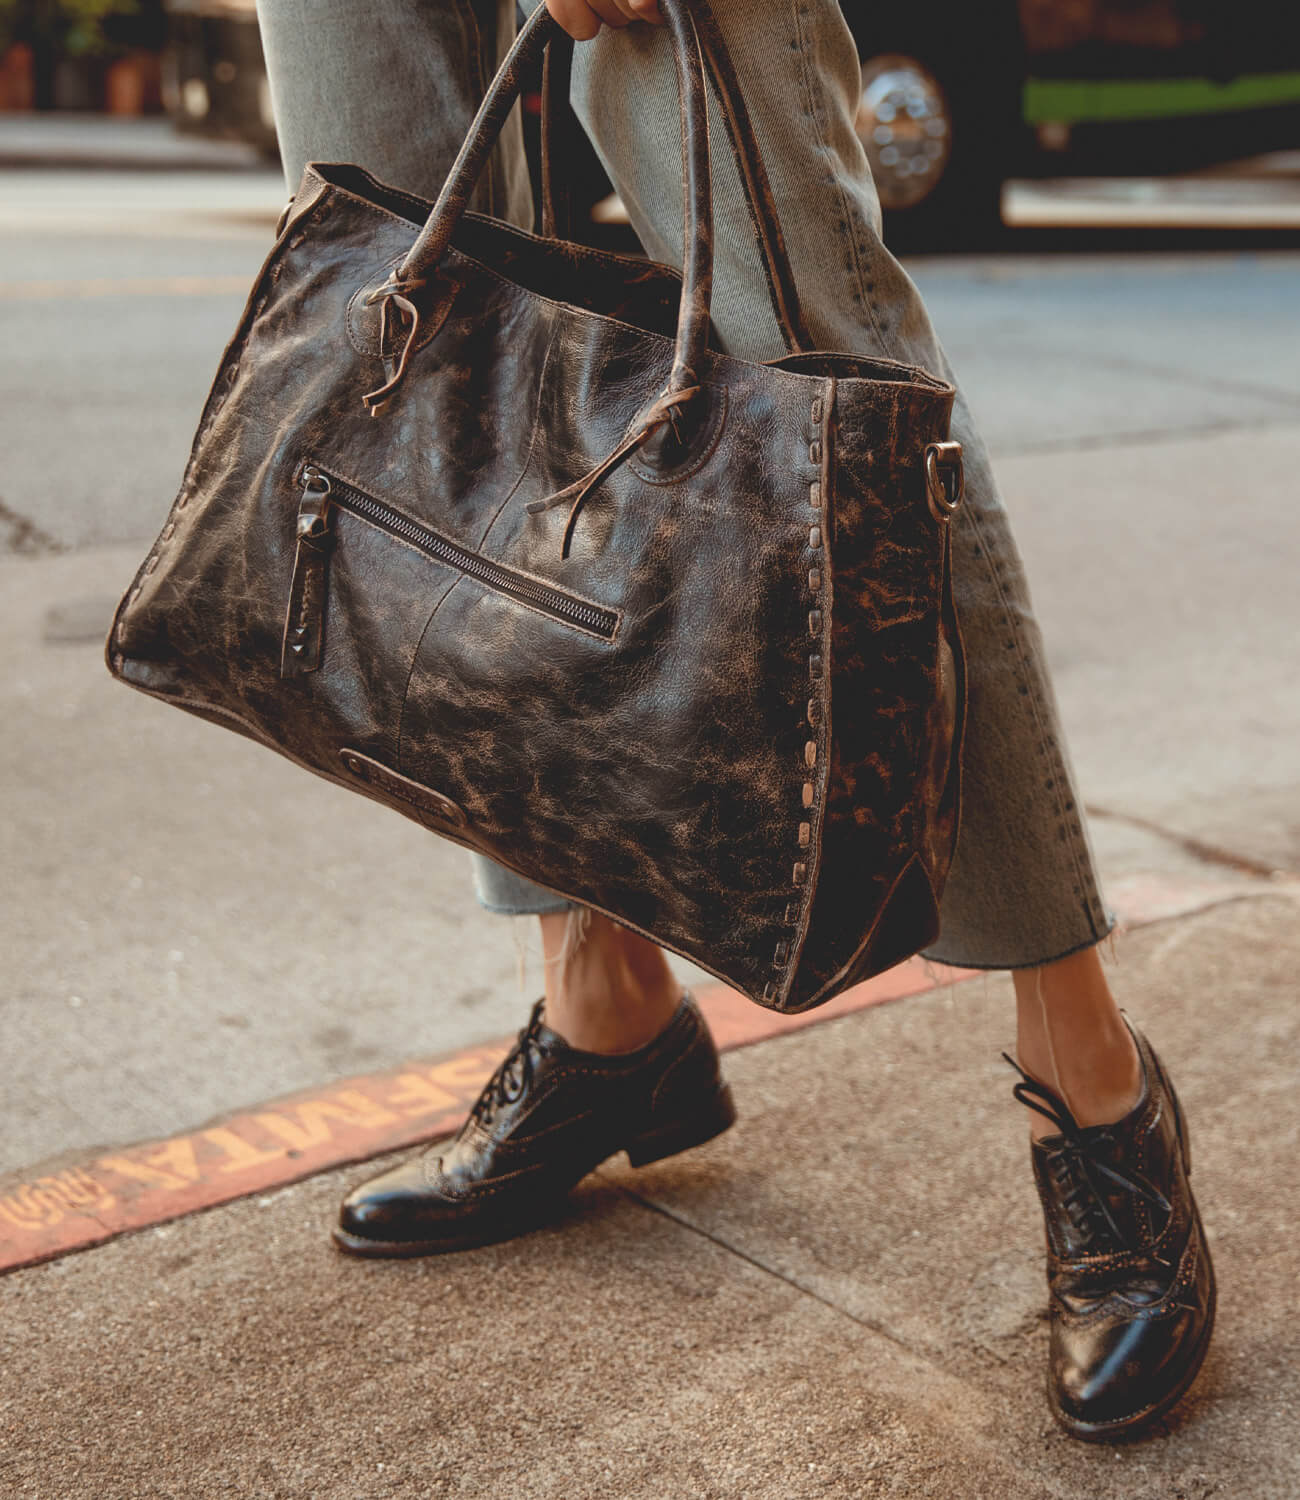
(940, 120)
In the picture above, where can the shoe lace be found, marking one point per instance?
(1080, 1161)
(513, 1073)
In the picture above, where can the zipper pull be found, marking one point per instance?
(304, 621)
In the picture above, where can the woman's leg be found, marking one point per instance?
(621, 1060)
(1132, 1288)
(1023, 892)
(393, 86)
(1071, 1036)
(607, 990)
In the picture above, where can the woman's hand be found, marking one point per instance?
(582, 19)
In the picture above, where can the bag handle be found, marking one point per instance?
(557, 210)
(697, 270)
(557, 122)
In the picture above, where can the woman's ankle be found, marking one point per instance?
(607, 990)
(1072, 1038)
(1098, 1086)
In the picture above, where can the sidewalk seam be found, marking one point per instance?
(1104, 442)
(1201, 849)
(658, 1208)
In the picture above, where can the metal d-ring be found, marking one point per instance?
(945, 479)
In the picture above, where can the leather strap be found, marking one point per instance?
(431, 243)
(759, 197)
(697, 209)
(697, 270)
(558, 122)
(537, 33)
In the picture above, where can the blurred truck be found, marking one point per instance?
(956, 96)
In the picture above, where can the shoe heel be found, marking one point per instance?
(681, 1135)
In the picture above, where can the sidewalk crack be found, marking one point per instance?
(22, 537)
(1102, 441)
(759, 1265)
(1213, 384)
(1207, 853)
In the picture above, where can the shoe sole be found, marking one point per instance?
(642, 1151)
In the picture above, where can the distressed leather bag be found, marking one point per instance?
(477, 524)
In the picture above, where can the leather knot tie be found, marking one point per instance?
(393, 292)
(667, 408)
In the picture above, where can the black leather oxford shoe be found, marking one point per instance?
(1132, 1286)
(546, 1117)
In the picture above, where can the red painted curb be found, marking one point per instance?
(253, 1150)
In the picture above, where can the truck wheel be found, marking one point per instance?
(939, 142)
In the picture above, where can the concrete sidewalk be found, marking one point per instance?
(842, 1297)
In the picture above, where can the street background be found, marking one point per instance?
(191, 926)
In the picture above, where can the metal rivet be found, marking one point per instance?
(805, 835)
(810, 754)
(817, 409)
(800, 871)
(791, 912)
(297, 647)
(167, 531)
(814, 452)
(769, 992)
(814, 665)
(808, 790)
(814, 622)
(815, 495)
(782, 952)
(815, 579)
(814, 711)
(814, 537)
(151, 565)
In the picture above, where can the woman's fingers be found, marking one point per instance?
(576, 17)
(582, 19)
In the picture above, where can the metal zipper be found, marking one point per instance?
(494, 575)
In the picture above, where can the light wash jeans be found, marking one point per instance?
(392, 85)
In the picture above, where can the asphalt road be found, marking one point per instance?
(162, 959)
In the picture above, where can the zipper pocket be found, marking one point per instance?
(324, 493)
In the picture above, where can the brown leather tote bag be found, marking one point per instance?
(665, 631)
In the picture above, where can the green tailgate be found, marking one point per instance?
(1073, 101)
